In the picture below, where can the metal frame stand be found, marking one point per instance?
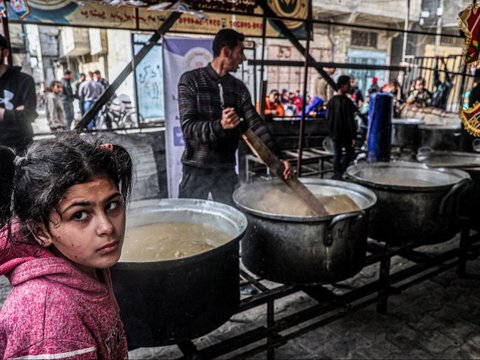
(331, 305)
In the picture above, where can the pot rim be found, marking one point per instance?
(460, 174)
(359, 189)
(179, 205)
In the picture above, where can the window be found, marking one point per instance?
(364, 39)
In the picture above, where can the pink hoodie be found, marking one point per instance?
(54, 309)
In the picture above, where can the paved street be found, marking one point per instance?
(436, 319)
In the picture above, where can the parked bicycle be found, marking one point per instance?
(119, 113)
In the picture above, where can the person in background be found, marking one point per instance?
(285, 97)
(374, 88)
(297, 102)
(67, 96)
(342, 127)
(395, 90)
(355, 93)
(90, 90)
(65, 229)
(18, 103)
(80, 81)
(316, 108)
(322, 89)
(98, 77)
(212, 104)
(419, 97)
(273, 106)
(56, 116)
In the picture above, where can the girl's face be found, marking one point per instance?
(91, 227)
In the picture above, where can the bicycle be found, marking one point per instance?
(119, 112)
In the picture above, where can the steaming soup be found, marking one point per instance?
(167, 241)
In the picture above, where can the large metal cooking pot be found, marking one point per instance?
(468, 162)
(405, 133)
(441, 137)
(171, 301)
(305, 250)
(416, 204)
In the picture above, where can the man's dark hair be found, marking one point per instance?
(97, 72)
(67, 72)
(226, 37)
(343, 80)
(4, 42)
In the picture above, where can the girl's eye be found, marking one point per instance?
(80, 215)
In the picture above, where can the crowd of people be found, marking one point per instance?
(289, 104)
(61, 94)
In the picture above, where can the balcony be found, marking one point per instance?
(75, 42)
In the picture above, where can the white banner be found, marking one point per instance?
(179, 55)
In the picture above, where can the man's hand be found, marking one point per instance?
(2, 113)
(230, 119)
(287, 171)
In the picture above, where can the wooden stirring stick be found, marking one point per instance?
(261, 150)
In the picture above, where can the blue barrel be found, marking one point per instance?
(379, 136)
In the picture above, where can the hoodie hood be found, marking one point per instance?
(22, 259)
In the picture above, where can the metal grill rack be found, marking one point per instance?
(333, 301)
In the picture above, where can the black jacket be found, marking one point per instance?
(341, 118)
(17, 89)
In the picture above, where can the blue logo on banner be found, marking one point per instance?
(178, 136)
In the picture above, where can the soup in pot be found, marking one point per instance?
(169, 241)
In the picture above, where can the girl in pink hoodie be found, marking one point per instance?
(63, 206)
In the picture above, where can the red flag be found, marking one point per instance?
(469, 20)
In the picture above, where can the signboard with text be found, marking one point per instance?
(98, 14)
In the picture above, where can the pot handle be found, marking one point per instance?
(460, 186)
(328, 239)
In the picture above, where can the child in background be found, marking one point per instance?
(65, 228)
(341, 123)
(56, 117)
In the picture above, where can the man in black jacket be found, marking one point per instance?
(17, 103)
(67, 96)
(341, 123)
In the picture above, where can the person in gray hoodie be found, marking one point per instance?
(56, 116)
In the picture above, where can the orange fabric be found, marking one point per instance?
(269, 106)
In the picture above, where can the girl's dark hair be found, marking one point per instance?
(51, 166)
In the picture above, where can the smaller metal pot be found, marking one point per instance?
(416, 205)
(468, 162)
(405, 133)
(440, 137)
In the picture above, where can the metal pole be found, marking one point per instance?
(110, 91)
(285, 31)
(439, 27)
(263, 89)
(405, 32)
(308, 28)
